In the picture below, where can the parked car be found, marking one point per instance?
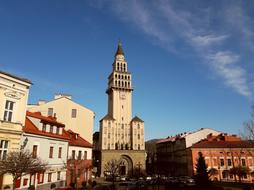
(126, 186)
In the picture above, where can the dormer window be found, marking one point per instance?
(44, 127)
(51, 129)
(57, 130)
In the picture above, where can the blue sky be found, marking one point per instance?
(191, 61)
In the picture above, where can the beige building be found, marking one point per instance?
(121, 136)
(75, 116)
(13, 101)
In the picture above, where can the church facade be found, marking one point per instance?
(121, 135)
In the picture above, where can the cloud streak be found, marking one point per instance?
(171, 24)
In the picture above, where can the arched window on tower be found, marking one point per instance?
(128, 84)
(124, 68)
(138, 146)
(122, 83)
(122, 76)
(119, 83)
(119, 77)
(125, 77)
(116, 83)
(118, 66)
(125, 84)
(128, 77)
(115, 75)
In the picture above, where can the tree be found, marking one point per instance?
(239, 171)
(201, 177)
(20, 163)
(112, 168)
(248, 127)
(212, 172)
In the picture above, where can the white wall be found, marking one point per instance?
(82, 149)
(199, 135)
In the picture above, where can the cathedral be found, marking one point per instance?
(121, 135)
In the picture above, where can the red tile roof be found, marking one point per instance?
(32, 129)
(49, 119)
(68, 135)
(77, 140)
(224, 144)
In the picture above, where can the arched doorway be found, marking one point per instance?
(126, 166)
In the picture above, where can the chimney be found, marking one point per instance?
(57, 96)
(41, 102)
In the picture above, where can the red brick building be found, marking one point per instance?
(224, 152)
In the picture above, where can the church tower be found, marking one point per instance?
(121, 136)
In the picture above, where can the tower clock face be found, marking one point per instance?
(122, 95)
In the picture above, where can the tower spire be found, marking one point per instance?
(119, 50)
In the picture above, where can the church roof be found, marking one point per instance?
(136, 118)
(119, 50)
(107, 117)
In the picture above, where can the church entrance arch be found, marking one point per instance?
(126, 166)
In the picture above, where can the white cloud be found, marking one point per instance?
(208, 40)
(224, 64)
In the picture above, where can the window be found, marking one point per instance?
(73, 154)
(40, 177)
(25, 180)
(109, 146)
(8, 110)
(138, 136)
(122, 124)
(74, 113)
(229, 162)
(34, 153)
(3, 149)
(138, 126)
(221, 162)
(58, 175)
(243, 162)
(109, 135)
(79, 155)
(57, 130)
(49, 177)
(50, 111)
(60, 152)
(51, 129)
(51, 152)
(138, 146)
(109, 124)
(44, 127)
(85, 155)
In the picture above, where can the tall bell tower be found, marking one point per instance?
(121, 135)
(119, 89)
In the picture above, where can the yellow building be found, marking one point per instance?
(13, 101)
(75, 116)
(121, 135)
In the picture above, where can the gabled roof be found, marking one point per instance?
(136, 118)
(49, 119)
(77, 140)
(107, 117)
(32, 129)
